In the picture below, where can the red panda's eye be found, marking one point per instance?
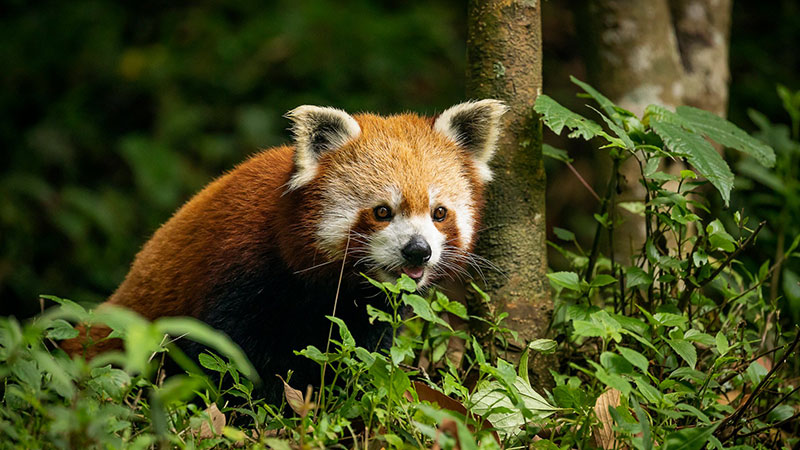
(439, 213)
(382, 213)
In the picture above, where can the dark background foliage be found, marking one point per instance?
(114, 113)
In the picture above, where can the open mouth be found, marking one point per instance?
(415, 273)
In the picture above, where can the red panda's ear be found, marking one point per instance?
(474, 125)
(317, 130)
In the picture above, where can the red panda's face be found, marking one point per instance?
(402, 193)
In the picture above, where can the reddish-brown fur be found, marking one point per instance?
(247, 215)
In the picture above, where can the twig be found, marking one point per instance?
(583, 181)
(723, 432)
(603, 208)
(691, 286)
(774, 425)
(774, 405)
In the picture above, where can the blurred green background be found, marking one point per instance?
(115, 113)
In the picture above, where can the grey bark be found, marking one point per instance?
(504, 60)
(667, 52)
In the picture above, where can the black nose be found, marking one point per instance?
(417, 252)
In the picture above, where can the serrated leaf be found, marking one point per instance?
(699, 153)
(212, 363)
(727, 134)
(556, 117)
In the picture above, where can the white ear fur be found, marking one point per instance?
(475, 125)
(317, 130)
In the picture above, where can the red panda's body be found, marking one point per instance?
(257, 253)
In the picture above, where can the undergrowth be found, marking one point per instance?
(681, 347)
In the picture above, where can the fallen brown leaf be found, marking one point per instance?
(218, 422)
(604, 436)
(301, 406)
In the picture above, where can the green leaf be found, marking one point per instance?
(212, 362)
(637, 277)
(602, 280)
(669, 319)
(689, 438)
(615, 363)
(644, 423)
(406, 283)
(564, 235)
(685, 350)
(201, 333)
(634, 357)
(423, 309)
(61, 329)
(314, 354)
(546, 346)
(607, 105)
(555, 153)
(727, 134)
(492, 401)
(569, 280)
(699, 153)
(587, 329)
(347, 338)
(556, 117)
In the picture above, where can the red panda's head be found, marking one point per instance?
(405, 190)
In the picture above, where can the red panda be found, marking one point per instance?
(257, 253)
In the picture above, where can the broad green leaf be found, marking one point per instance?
(211, 362)
(634, 357)
(567, 280)
(615, 364)
(636, 277)
(699, 153)
(685, 350)
(669, 319)
(492, 401)
(699, 337)
(727, 134)
(651, 394)
(556, 117)
(543, 345)
(61, 329)
(564, 235)
(602, 280)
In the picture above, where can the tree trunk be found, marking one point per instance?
(504, 61)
